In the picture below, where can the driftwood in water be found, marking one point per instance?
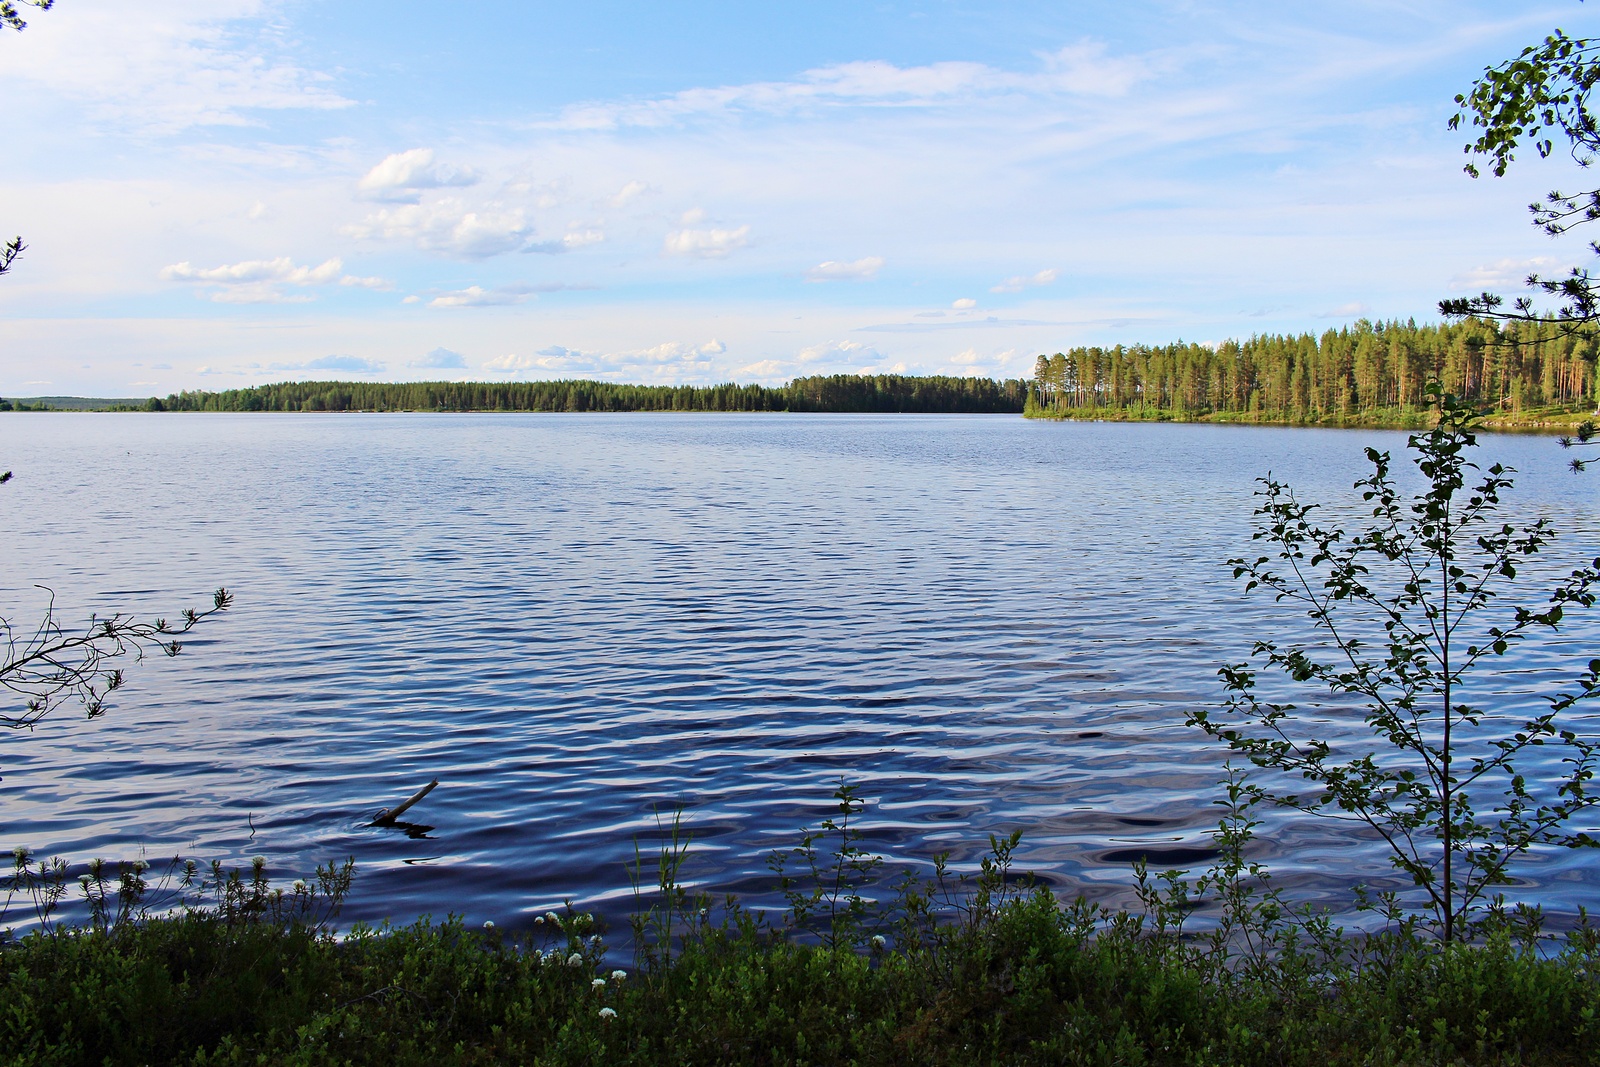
(387, 816)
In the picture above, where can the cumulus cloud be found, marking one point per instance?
(1019, 282)
(348, 364)
(450, 227)
(263, 281)
(966, 303)
(440, 359)
(1504, 274)
(853, 352)
(767, 370)
(706, 244)
(858, 270)
(402, 177)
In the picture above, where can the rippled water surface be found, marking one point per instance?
(577, 622)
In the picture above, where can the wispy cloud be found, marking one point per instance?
(477, 296)
(264, 281)
(668, 360)
(1018, 282)
(856, 271)
(170, 67)
(345, 364)
(1505, 274)
(440, 359)
(1083, 69)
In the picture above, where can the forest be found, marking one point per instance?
(831, 393)
(1364, 371)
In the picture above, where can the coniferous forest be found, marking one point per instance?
(838, 393)
(1362, 374)
(1371, 373)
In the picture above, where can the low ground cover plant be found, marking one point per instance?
(943, 970)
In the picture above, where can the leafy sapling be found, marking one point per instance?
(1409, 621)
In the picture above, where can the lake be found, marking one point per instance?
(582, 623)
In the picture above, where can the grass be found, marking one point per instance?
(944, 971)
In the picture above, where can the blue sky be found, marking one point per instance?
(226, 192)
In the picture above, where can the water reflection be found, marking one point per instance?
(578, 623)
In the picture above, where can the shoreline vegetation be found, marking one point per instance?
(1522, 377)
(864, 966)
(846, 393)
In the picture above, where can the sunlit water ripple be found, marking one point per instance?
(579, 623)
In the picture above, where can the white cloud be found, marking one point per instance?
(476, 296)
(1077, 70)
(170, 66)
(402, 177)
(707, 244)
(499, 296)
(366, 283)
(631, 191)
(281, 269)
(768, 370)
(441, 359)
(1019, 282)
(262, 281)
(1354, 309)
(348, 364)
(668, 360)
(582, 238)
(852, 352)
(966, 303)
(858, 270)
(450, 227)
(1504, 274)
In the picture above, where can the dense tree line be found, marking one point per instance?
(1358, 370)
(840, 392)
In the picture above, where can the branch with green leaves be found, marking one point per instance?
(1540, 98)
(1410, 615)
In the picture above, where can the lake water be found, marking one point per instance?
(577, 622)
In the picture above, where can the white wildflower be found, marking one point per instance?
(598, 983)
(551, 916)
(575, 960)
(608, 1014)
(488, 924)
(538, 920)
(617, 976)
(878, 941)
